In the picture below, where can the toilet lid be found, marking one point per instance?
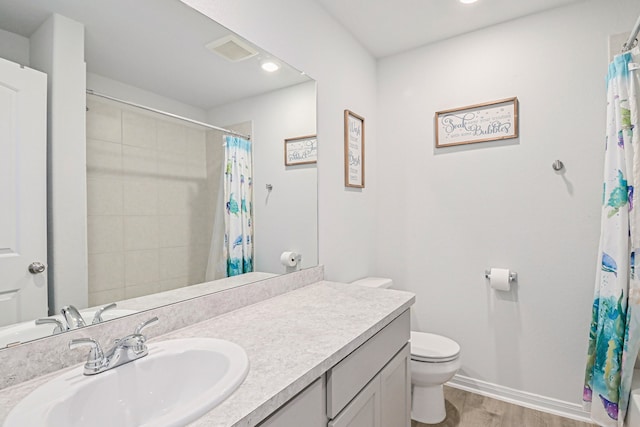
(433, 348)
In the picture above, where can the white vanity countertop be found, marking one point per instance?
(291, 340)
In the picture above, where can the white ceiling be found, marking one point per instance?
(158, 45)
(155, 45)
(386, 27)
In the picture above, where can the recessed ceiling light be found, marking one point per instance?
(468, 1)
(270, 66)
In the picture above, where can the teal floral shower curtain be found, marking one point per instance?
(614, 335)
(238, 198)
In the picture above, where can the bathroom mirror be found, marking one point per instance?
(154, 53)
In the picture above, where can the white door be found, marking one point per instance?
(23, 196)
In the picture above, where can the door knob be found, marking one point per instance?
(36, 267)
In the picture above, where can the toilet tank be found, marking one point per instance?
(374, 282)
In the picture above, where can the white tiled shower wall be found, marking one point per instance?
(149, 202)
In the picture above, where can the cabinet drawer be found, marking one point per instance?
(308, 407)
(353, 372)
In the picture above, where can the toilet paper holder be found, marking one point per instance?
(513, 276)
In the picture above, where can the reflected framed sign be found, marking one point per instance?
(302, 150)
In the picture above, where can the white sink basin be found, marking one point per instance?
(27, 331)
(178, 382)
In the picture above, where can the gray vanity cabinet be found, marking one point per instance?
(371, 387)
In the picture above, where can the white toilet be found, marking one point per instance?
(434, 361)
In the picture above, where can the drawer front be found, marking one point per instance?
(307, 409)
(353, 372)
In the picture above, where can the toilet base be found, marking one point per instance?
(427, 404)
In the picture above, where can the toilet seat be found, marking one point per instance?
(433, 348)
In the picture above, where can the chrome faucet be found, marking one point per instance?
(124, 350)
(72, 317)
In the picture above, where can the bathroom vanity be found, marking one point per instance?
(330, 354)
(371, 387)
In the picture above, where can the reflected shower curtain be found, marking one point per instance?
(238, 200)
(614, 335)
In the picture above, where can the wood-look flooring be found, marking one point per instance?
(466, 409)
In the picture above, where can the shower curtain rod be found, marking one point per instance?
(175, 116)
(632, 37)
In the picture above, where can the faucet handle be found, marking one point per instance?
(59, 326)
(97, 317)
(96, 359)
(136, 341)
(146, 323)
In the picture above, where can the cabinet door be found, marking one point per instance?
(364, 409)
(306, 409)
(395, 387)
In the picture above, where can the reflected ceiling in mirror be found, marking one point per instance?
(158, 46)
(158, 53)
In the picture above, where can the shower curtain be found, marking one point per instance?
(238, 199)
(614, 335)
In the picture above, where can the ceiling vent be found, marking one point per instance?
(232, 48)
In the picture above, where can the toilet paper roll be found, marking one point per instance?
(500, 279)
(289, 259)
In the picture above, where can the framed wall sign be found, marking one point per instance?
(490, 121)
(302, 150)
(353, 150)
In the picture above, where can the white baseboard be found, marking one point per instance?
(522, 398)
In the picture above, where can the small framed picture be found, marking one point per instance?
(302, 150)
(353, 150)
(489, 121)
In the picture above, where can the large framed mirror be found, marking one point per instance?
(166, 98)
